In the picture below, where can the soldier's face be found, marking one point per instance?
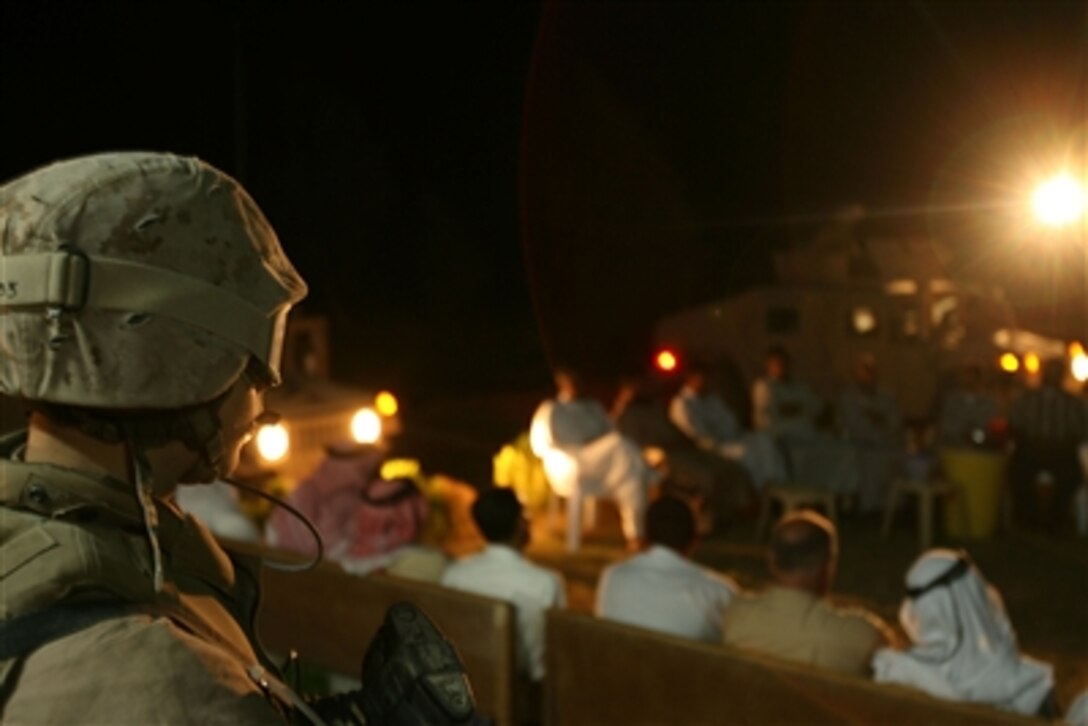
(238, 418)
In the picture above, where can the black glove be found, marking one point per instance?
(411, 675)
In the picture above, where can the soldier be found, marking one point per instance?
(144, 298)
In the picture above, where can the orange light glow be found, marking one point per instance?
(1009, 363)
(666, 361)
(1076, 349)
(1031, 363)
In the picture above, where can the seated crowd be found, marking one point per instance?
(961, 645)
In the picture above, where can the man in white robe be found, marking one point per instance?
(706, 419)
(964, 647)
(583, 454)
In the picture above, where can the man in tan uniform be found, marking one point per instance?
(793, 619)
(142, 304)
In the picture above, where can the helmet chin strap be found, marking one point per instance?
(204, 436)
(200, 430)
(143, 484)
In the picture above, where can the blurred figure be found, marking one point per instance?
(781, 405)
(723, 485)
(794, 415)
(872, 422)
(584, 454)
(793, 618)
(661, 588)
(964, 647)
(704, 417)
(500, 571)
(366, 523)
(1077, 715)
(216, 505)
(967, 410)
(1048, 426)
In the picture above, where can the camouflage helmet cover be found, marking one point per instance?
(136, 280)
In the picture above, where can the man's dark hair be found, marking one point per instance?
(802, 542)
(497, 513)
(670, 522)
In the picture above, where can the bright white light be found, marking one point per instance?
(273, 442)
(864, 321)
(366, 426)
(1059, 201)
(1080, 367)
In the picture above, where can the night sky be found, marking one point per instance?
(475, 191)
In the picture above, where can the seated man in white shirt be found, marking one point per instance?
(583, 453)
(500, 571)
(706, 419)
(661, 588)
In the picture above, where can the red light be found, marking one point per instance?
(666, 361)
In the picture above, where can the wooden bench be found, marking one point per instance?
(330, 616)
(601, 672)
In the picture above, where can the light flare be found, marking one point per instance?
(386, 403)
(366, 426)
(1079, 367)
(666, 361)
(1059, 201)
(273, 442)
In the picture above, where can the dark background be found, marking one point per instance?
(477, 191)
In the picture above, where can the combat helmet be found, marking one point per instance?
(137, 281)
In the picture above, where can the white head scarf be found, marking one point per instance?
(964, 645)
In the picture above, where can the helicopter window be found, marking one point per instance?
(783, 320)
(863, 321)
(943, 310)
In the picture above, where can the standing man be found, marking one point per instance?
(661, 588)
(1048, 427)
(793, 618)
(873, 424)
(144, 302)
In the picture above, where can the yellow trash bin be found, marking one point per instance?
(980, 478)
